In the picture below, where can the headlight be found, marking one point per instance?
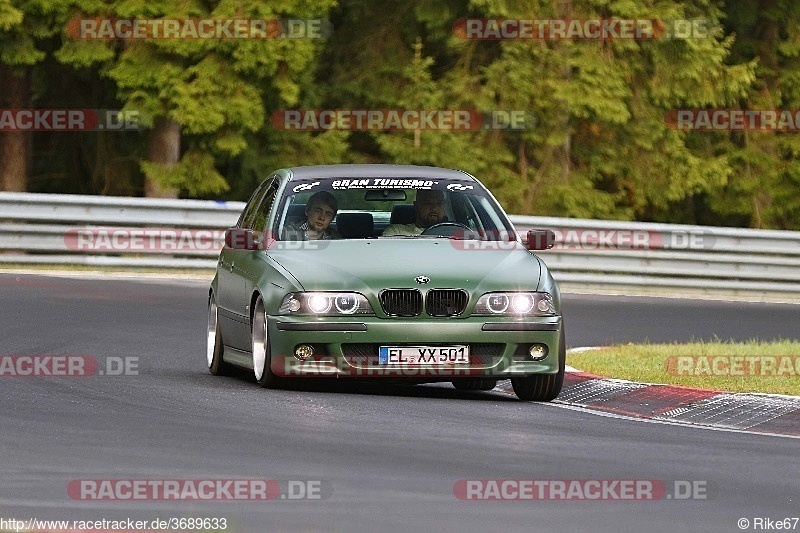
(325, 303)
(515, 304)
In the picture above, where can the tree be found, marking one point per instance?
(206, 93)
(600, 146)
(22, 27)
(764, 189)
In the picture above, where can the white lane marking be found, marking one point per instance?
(607, 414)
(679, 296)
(587, 410)
(580, 349)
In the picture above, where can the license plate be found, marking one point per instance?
(423, 355)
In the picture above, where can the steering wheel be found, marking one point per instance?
(444, 229)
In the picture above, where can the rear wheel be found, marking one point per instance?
(543, 387)
(262, 357)
(216, 365)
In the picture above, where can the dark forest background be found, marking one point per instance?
(600, 147)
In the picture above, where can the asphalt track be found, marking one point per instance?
(388, 457)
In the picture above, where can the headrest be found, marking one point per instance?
(403, 214)
(355, 225)
(296, 213)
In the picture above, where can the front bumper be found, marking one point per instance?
(348, 346)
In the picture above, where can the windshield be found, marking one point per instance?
(362, 208)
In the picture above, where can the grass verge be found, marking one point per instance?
(753, 366)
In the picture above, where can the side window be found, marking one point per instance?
(246, 220)
(489, 215)
(262, 213)
(461, 212)
(252, 203)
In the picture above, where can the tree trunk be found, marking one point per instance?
(565, 160)
(163, 147)
(14, 145)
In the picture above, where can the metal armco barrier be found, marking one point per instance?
(47, 229)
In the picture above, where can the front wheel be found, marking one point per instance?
(262, 357)
(543, 387)
(216, 365)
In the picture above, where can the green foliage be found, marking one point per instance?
(195, 173)
(599, 147)
(214, 89)
(10, 16)
(23, 23)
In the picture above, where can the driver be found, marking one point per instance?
(429, 207)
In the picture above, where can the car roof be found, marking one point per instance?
(375, 171)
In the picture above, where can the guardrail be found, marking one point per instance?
(47, 229)
(700, 259)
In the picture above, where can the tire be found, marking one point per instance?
(475, 384)
(543, 387)
(262, 357)
(216, 365)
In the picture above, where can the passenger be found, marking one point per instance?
(320, 211)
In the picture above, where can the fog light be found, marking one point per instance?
(303, 351)
(537, 351)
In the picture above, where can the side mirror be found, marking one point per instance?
(540, 239)
(243, 239)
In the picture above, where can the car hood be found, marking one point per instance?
(371, 265)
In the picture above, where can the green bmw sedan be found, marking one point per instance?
(369, 272)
